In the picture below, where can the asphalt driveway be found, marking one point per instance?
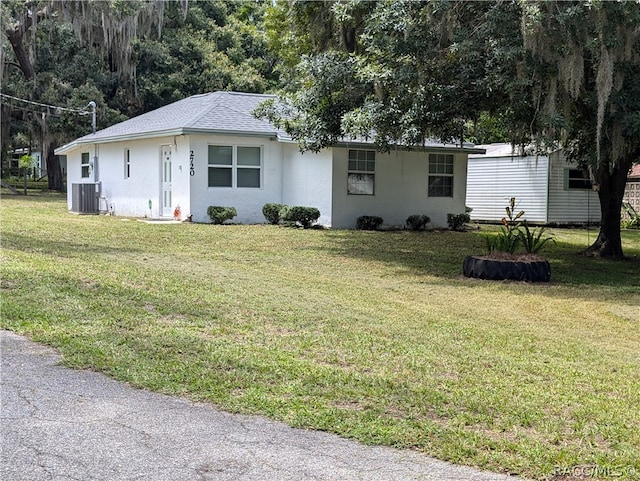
(63, 424)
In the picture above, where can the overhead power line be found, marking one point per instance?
(82, 111)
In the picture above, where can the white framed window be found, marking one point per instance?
(84, 165)
(361, 172)
(235, 166)
(127, 163)
(577, 179)
(440, 182)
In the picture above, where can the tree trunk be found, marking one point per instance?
(5, 131)
(15, 37)
(54, 171)
(611, 191)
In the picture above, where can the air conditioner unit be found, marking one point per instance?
(84, 199)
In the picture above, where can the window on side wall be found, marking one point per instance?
(127, 163)
(248, 167)
(440, 175)
(84, 165)
(577, 179)
(235, 166)
(361, 172)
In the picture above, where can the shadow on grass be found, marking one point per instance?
(440, 254)
(61, 248)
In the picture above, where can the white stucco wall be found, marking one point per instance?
(247, 201)
(306, 180)
(492, 181)
(401, 180)
(130, 196)
(287, 176)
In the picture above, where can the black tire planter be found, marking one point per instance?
(505, 269)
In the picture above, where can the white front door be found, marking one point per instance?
(166, 201)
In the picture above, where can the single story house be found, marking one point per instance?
(210, 150)
(547, 187)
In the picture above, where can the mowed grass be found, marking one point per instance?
(375, 336)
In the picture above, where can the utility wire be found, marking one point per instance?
(78, 111)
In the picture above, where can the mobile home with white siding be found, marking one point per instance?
(548, 188)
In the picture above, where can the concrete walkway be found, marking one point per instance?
(63, 424)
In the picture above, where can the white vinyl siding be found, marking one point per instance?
(569, 206)
(492, 181)
(539, 184)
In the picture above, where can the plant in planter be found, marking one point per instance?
(532, 240)
(502, 260)
(509, 237)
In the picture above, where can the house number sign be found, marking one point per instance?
(192, 170)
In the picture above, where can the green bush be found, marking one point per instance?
(368, 222)
(457, 221)
(305, 216)
(273, 212)
(417, 222)
(219, 214)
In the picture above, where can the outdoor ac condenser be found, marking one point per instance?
(84, 198)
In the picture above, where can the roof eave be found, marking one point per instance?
(89, 139)
(417, 148)
(256, 133)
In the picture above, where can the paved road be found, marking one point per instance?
(62, 424)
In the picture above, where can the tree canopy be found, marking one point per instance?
(556, 73)
(128, 57)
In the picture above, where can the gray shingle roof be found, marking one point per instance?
(213, 112)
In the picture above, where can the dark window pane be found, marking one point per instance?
(578, 179)
(440, 186)
(249, 156)
(219, 177)
(220, 155)
(248, 178)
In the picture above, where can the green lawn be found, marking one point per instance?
(372, 335)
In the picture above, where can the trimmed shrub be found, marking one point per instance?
(305, 216)
(273, 212)
(417, 222)
(219, 214)
(368, 222)
(457, 221)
